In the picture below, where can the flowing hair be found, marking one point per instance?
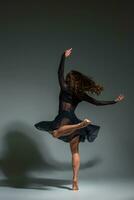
(80, 83)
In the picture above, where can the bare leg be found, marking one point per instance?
(68, 129)
(74, 146)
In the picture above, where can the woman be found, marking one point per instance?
(66, 126)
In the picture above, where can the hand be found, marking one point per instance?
(68, 52)
(119, 98)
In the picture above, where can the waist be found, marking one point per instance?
(67, 111)
(67, 105)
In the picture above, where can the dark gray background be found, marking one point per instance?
(33, 36)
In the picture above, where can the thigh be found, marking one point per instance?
(62, 122)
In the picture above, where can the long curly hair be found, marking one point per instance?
(80, 83)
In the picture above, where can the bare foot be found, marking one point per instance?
(84, 123)
(75, 186)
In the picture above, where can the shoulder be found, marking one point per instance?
(82, 96)
(64, 88)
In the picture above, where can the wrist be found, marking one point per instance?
(63, 55)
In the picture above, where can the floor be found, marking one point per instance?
(50, 188)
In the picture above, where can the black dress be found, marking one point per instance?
(66, 115)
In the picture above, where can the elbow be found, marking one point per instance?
(97, 103)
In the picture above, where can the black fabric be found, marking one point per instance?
(66, 115)
(89, 132)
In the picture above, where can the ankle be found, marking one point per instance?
(80, 124)
(75, 179)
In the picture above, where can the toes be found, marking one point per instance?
(75, 185)
(87, 120)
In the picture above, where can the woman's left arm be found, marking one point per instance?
(96, 102)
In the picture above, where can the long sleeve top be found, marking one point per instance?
(66, 96)
(61, 79)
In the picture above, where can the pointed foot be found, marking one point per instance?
(84, 123)
(75, 186)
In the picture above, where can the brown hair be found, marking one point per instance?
(80, 83)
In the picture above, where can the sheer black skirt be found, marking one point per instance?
(89, 132)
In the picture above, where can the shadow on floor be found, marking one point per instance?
(37, 183)
(22, 154)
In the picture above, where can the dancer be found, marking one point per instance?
(66, 126)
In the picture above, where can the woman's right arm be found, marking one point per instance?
(61, 68)
(61, 71)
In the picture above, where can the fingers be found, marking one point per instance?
(120, 97)
(68, 52)
(69, 49)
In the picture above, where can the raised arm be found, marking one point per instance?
(61, 68)
(90, 99)
(61, 71)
